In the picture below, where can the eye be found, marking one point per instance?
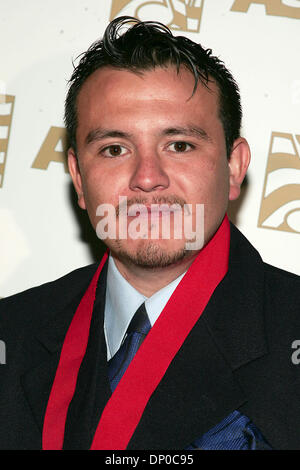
(114, 150)
(180, 147)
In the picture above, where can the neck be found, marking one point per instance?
(150, 280)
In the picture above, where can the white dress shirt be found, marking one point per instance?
(123, 300)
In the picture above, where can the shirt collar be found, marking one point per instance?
(123, 300)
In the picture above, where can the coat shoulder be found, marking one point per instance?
(281, 275)
(281, 309)
(284, 287)
(32, 305)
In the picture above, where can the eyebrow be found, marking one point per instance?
(188, 131)
(100, 134)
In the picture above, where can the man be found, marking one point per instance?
(206, 361)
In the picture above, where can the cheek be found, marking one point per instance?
(102, 187)
(209, 183)
(197, 180)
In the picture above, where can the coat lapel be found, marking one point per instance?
(240, 320)
(92, 388)
(42, 352)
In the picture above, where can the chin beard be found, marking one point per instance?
(151, 256)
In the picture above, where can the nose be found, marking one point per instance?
(149, 174)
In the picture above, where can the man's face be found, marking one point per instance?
(144, 137)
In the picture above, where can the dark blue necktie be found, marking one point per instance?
(136, 333)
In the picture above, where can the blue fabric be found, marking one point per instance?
(235, 432)
(136, 333)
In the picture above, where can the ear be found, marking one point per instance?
(238, 164)
(76, 177)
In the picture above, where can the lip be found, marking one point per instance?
(153, 210)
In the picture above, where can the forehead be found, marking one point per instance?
(158, 83)
(112, 94)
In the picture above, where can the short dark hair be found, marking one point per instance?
(144, 46)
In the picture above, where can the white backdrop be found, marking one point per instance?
(41, 236)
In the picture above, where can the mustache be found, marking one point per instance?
(170, 200)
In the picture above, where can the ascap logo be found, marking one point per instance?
(53, 149)
(280, 205)
(287, 8)
(6, 113)
(181, 15)
(185, 15)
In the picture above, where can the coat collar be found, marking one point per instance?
(234, 315)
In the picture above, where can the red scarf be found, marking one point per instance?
(124, 409)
